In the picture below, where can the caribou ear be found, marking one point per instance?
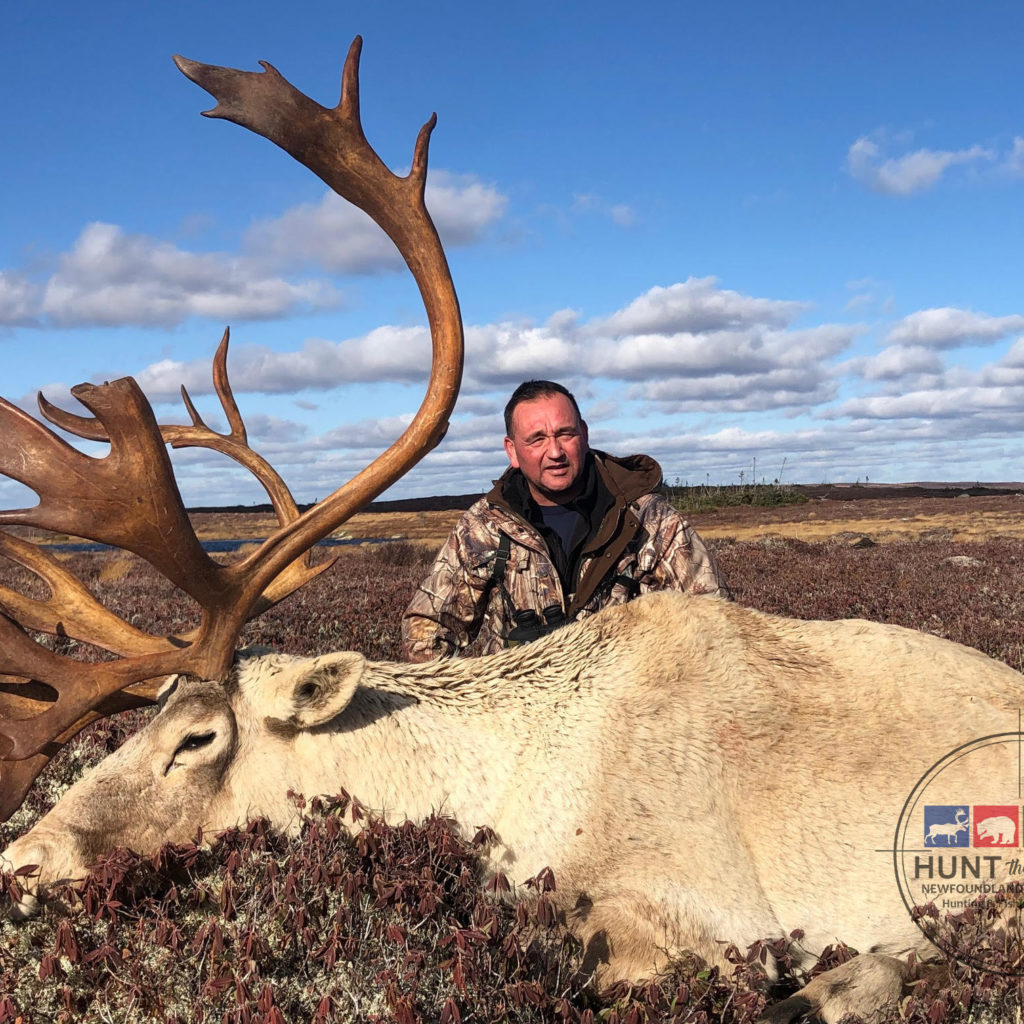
(321, 688)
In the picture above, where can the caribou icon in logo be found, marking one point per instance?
(949, 829)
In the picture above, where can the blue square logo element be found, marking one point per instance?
(947, 825)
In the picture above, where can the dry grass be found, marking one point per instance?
(116, 567)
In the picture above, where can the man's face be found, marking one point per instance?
(549, 446)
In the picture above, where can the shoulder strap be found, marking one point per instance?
(497, 577)
(500, 560)
(631, 585)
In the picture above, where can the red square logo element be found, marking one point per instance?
(996, 826)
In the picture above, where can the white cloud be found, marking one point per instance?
(862, 301)
(666, 365)
(697, 305)
(374, 435)
(726, 348)
(111, 278)
(900, 361)
(621, 214)
(912, 172)
(1015, 161)
(1015, 356)
(274, 429)
(958, 403)
(948, 327)
(707, 333)
(477, 406)
(462, 207)
(331, 233)
(507, 353)
(670, 373)
(334, 235)
(733, 392)
(19, 300)
(385, 354)
(867, 294)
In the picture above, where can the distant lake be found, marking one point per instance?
(216, 546)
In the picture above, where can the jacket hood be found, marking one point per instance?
(632, 475)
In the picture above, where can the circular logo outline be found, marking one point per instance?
(899, 845)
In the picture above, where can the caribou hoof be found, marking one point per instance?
(868, 986)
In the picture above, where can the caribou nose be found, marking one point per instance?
(26, 907)
(12, 860)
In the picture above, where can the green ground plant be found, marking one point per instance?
(707, 497)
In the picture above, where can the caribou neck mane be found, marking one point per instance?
(550, 669)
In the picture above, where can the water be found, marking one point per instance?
(215, 546)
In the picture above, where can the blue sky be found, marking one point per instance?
(784, 236)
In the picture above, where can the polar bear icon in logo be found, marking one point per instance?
(996, 826)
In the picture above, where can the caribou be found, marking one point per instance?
(693, 772)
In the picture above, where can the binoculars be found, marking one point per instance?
(529, 625)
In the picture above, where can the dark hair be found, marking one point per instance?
(531, 389)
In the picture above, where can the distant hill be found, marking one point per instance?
(851, 492)
(437, 503)
(431, 504)
(836, 492)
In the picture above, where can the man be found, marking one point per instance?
(565, 532)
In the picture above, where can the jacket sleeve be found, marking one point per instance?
(445, 613)
(674, 557)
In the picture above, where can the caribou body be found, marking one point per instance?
(691, 770)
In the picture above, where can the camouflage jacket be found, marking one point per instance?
(641, 543)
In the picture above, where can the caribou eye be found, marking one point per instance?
(194, 741)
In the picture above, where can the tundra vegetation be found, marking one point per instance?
(695, 498)
(394, 925)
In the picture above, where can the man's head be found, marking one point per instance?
(546, 440)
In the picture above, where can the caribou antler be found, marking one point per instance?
(235, 445)
(130, 499)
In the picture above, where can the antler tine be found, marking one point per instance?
(127, 499)
(92, 429)
(20, 699)
(130, 500)
(70, 610)
(93, 682)
(235, 445)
